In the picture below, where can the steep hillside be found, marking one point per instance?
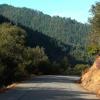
(65, 31)
(91, 78)
(35, 38)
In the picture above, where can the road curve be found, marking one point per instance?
(50, 87)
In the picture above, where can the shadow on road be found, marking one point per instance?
(37, 92)
(45, 94)
(53, 78)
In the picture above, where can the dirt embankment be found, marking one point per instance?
(90, 79)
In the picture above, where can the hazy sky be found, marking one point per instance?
(76, 9)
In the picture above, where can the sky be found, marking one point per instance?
(75, 9)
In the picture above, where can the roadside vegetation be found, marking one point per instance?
(40, 44)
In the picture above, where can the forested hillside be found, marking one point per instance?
(35, 43)
(59, 36)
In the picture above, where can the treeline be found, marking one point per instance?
(70, 35)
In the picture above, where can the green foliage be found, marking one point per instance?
(79, 68)
(34, 57)
(93, 49)
(16, 59)
(39, 55)
(12, 41)
(64, 66)
(69, 34)
(94, 37)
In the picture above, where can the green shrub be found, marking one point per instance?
(77, 70)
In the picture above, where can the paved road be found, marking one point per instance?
(50, 87)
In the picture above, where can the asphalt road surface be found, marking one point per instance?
(50, 87)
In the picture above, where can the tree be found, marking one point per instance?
(35, 59)
(12, 40)
(16, 59)
(94, 37)
(64, 66)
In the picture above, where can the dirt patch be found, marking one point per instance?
(90, 80)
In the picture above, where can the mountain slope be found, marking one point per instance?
(65, 31)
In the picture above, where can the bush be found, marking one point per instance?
(78, 69)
